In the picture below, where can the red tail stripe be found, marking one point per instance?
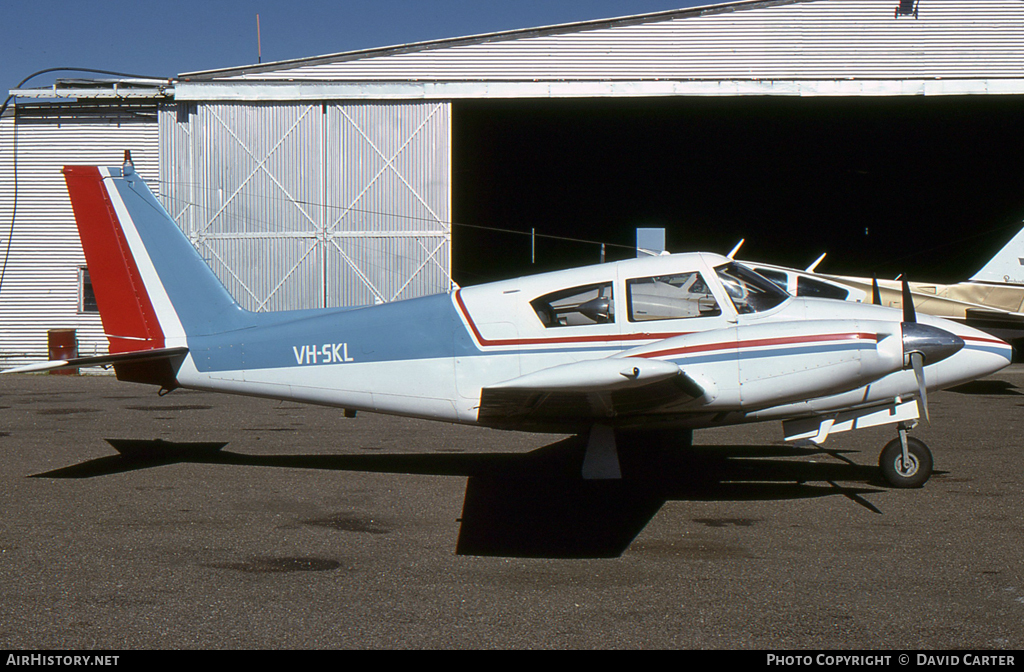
(125, 308)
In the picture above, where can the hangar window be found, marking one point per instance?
(749, 292)
(817, 288)
(578, 306)
(86, 297)
(670, 297)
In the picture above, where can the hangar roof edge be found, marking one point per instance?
(580, 26)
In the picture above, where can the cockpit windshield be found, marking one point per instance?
(750, 293)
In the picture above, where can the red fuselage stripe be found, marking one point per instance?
(609, 338)
(992, 341)
(606, 338)
(761, 343)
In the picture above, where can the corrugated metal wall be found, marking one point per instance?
(343, 203)
(823, 39)
(313, 205)
(41, 286)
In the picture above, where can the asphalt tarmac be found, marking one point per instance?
(312, 530)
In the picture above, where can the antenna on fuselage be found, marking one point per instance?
(810, 269)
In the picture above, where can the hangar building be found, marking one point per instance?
(884, 132)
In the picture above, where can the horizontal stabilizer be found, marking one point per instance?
(102, 360)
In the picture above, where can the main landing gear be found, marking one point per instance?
(905, 462)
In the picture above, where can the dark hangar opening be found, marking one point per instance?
(928, 186)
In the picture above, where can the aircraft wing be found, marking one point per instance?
(980, 318)
(586, 391)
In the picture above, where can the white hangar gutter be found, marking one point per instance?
(248, 91)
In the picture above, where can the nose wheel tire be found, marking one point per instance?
(917, 469)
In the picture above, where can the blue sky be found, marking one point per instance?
(165, 39)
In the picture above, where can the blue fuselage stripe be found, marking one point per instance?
(769, 352)
(995, 350)
(415, 329)
(422, 328)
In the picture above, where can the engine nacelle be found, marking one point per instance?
(762, 365)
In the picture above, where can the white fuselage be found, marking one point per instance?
(801, 357)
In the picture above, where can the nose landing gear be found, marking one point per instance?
(905, 462)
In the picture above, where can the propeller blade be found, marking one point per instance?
(917, 361)
(923, 343)
(909, 314)
(876, 295)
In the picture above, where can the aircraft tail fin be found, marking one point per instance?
(1008, 264)
(152, 288)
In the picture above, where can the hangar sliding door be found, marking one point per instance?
(243, 182)
(388, 233)
(313, 205)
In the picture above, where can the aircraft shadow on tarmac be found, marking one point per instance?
(990, 386)
(536, 504)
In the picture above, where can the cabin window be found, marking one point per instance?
(778, 277)
(670, 297)
(819, 289)
(578, 306)
(749, 292)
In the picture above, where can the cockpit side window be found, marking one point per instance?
(578, 306)
(778, 277)
(749, 292)
(670, 297)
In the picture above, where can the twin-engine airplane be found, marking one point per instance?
(623, 353)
